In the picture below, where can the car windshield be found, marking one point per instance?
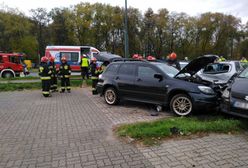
(217, 68)
(169, 70)
(244, 74)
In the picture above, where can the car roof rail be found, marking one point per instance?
(128, 59)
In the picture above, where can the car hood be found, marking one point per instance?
(220, 78)
(197, 64)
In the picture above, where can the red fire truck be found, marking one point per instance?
(11, 65)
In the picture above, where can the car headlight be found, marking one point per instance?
(206, 90)
(226, 94)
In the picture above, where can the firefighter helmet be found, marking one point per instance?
(135, 56)
(173, 56)
(151, 58)
(52, 59)
(63, 59)
(93, 59)
(44, 59)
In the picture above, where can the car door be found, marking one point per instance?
(125, 79)
(147, 87)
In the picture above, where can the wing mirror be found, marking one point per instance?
(158, 76)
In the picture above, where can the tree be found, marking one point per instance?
(41, 20)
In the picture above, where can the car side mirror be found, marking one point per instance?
(158, 76)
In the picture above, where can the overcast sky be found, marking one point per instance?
(237, 8)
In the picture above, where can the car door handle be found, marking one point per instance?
(117, 78)
(138, 80)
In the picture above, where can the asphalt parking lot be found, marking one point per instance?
(75, 130)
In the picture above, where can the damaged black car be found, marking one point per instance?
(159, 84)
(235, 96)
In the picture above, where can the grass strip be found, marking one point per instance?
(34, 85)
(150, 133)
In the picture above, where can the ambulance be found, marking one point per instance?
(72, 53)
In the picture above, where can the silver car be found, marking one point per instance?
(220, 72)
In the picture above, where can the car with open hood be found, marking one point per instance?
(158, 83)
(235, 97)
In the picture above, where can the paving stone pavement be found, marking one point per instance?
(75, 130)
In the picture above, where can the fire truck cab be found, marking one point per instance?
(11, 65)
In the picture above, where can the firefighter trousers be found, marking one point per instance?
(45, 87)
(65, 84)
(94, 83)
(85, 72)
(54, 83)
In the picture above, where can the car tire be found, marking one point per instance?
(8, 75)
(181, 105)
(111, 96)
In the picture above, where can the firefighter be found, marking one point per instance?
(45, 76)
(54, 82)
(84, 68)
(64, 73)
(221, 59)
(94, 74)
(172, 61)
(244, 60)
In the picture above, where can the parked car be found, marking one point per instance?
(159, 84)
(106, 57)
(235, 97)
(220, 72)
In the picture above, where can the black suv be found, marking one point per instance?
(158, 83)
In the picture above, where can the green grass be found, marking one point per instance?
(19, 86)
(31, 86)
(150, 133)
(20, 78)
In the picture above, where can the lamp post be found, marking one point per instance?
(126, 32)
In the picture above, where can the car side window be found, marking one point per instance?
(127, 69)
(146, 72)
(112, 69)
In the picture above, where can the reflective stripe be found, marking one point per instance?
(46, 93)
(94, 77)
(67, 76)
(45, 78)
(41, 69)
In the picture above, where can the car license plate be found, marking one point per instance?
(242, 105)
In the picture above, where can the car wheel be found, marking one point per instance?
(8, 75)
(181, 105)
(111, 96)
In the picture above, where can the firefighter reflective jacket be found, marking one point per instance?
(84, 62)
(244, 61)
(44, 71)
(64, 70)
(52, 67)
